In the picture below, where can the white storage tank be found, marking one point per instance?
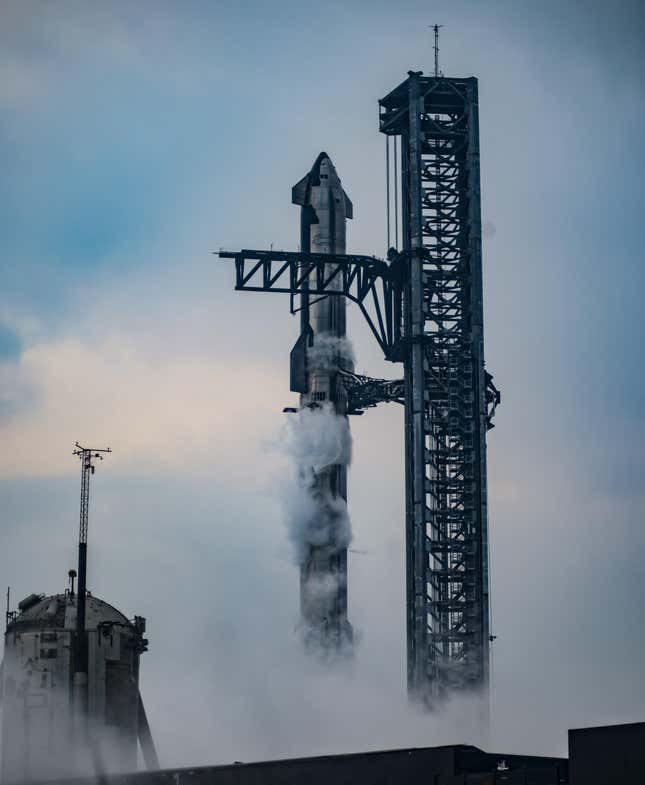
(43, 735)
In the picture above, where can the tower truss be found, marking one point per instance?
(446, 385)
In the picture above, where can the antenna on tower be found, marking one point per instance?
(437, 72)
(86, 455)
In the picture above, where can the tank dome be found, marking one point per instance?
(58, 612)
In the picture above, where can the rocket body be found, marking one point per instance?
(323, 569)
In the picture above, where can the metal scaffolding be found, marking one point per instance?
(424, 307)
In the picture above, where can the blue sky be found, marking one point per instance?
(138, 138)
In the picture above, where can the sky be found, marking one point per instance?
(135, 140)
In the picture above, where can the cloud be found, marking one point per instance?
(41, 59)
(153, 412)
(10, 343)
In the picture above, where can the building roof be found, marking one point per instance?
(58, 612)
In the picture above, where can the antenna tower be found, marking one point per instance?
(437, 72)
(86, 456)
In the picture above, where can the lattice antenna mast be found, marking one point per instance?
(437, 72)
(87, 455)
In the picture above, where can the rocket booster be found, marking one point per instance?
(320, 352)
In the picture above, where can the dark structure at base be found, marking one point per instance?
(597, 756)
(458, 765)
(608, 755)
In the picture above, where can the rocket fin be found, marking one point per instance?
(349, 207)
(298, 364)
(299, 191)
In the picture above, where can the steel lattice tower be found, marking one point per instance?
(447, 390)
(424, 307)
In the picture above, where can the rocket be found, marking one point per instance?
(320, 352)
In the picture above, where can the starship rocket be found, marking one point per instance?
(318, 355)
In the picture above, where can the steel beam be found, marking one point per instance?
(371, 283)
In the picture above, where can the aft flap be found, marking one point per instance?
(349, 207)
(299, 191)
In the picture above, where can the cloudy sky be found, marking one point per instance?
(135, 139)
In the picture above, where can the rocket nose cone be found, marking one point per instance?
(322, 172)
(323, 168)
(322, 161)
(321, 157)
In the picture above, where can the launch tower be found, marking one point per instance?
(449, 396)
(424, 307)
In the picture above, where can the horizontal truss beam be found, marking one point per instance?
(366, 280)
